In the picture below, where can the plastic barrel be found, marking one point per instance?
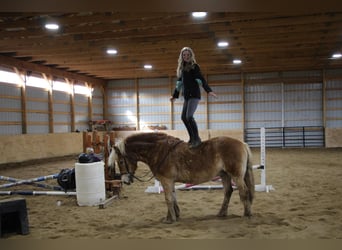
(90, 183)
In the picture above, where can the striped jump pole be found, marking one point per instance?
(31, 192)
(41, 185)
(21, 182)
(262, 187)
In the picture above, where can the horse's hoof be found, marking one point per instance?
(166, 221)
(248, 216)
(221, 215)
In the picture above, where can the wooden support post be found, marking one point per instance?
(243, 83)
(103, 144)
(106, 149)
(23, 101)
(86, 141)
(172, 125)
(112, 138)
(96, 142)
(324, 98)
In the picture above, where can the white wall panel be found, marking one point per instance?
(122, 110)
(10, 117)
(81, 112)
(61, 108)
(61, 96)
(33, 106)
(227, 110)
(303, 105)
(61, 112)
(263, 105)
(122, 103)
(61, 128)
(38, 129)
(10, 109)
(8, 103)
(154, 103)
(155, 110)
(61, 118)
(97, 104)
(37, 110)
(34, 92)
(9, 89)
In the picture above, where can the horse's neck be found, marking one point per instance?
(156, 155)
(147, 156)
(151, 149)
(150, 154)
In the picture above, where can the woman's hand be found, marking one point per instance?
(172, 98)
(213, 94)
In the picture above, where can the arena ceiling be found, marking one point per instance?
(262, 41)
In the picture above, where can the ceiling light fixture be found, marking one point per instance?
(52, 26)
(112, 51)
(147, 66)
(336, 55)
(199, 14)
(237, 61)
(222, 44)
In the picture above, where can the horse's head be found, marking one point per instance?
(126, 164)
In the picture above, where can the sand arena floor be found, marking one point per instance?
(306, 204)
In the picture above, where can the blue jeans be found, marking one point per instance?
(189, 108)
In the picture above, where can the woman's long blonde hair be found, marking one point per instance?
(181, 62)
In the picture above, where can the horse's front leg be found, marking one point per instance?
(171, 203)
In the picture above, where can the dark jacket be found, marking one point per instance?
(190, 81)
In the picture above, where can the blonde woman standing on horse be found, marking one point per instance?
(189, 81)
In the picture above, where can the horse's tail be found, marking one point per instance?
(249, 177)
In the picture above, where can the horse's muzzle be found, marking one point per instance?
(127, 179)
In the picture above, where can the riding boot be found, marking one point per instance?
(196, 139)
(189, 129)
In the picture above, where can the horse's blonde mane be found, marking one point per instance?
(120, 144)
(113, 157)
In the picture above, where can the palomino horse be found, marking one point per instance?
(171, 160)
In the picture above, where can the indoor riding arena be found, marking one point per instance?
(69, 94)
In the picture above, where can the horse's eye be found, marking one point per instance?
(121, 162)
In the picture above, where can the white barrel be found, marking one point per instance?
(90, 183)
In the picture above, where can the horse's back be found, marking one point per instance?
(232, 151)
(226, 142)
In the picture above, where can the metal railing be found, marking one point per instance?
(286, 137)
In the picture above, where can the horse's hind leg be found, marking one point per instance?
(175, 203)
(228, 190)
(244, 196)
